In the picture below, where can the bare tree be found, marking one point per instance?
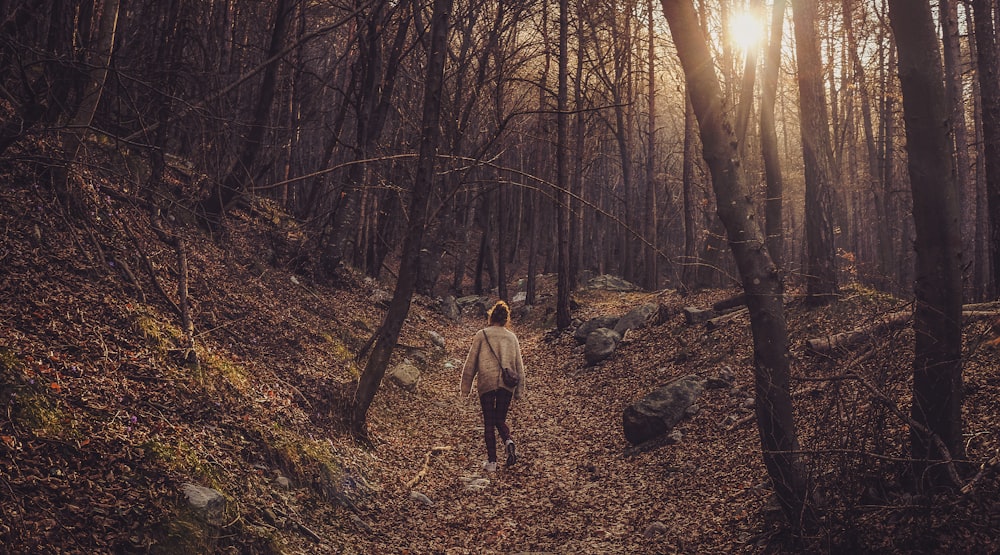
(773, 220)
(821, 270)
(987, 60)
(563, 314)
(937, 318)
(399, 306)
(761, 279)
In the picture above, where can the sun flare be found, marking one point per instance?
(746, 31)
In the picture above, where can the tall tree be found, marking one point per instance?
(956, 107)
(761, 279)
(240, 174)
(100, 61)
(409, 269)
(769, 138)
(937, 318)
(821, 268)
(652, 272)
(987, 60)
(563, 314)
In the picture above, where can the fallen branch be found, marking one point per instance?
(983, 469)
(427, 464)
(719, 321)
(852, 338)
(847, 339)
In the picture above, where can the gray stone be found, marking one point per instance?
(448, 306)
(405, 375)
(694, 315)
(661, 409)
(436, 339)
(207, 501)
(600, 344)
(611, 283)
(584, 330)
(417, 496)
(638, 318)
(519, 297)
(724, 379)
(655, 529)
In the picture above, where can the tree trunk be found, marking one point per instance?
(761, 280)
(689, 276)
(430, 133)
(239, 174)
(821, 270)
(989, 90)
(773, 220)
(937, 318)
(563, 315)
(954, 86)
(652, 280)
(79, 126)
(372, 109)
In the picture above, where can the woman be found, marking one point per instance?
(490, 346)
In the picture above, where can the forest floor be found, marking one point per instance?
(104, 423)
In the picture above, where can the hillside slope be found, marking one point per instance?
(106, 419)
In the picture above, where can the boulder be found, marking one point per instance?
(724, 379)
(661, 409)
(600, 344)
(405, 375)
(436, 339)
(448, 307)
(611, 283)
(639, 317)
(694, 315)
(581, 333)
(207, 501)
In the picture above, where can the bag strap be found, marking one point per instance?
(487, 338)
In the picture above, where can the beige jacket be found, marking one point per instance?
(482, 365)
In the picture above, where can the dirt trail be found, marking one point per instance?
(572, 490)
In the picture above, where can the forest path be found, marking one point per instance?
(572, 490)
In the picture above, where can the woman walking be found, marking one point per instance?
(494, 348)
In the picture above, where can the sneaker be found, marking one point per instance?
(511, 454)
(490, 466)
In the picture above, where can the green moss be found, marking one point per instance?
(235, 375)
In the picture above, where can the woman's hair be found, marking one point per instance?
(499, 314)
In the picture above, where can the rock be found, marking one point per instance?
(692, 410)
(282, 481)
(611, 283)
(519, 297)
(661, 409)
(655, 529)
(448, 306)
(405, 375)
(207, 501)
(638, 318)
(381, 298)
(675, 435)
(694, 315)
(581, 333)
(724, 379)
(600, 344)
(417, 496)
(436, 339)
(748, 403)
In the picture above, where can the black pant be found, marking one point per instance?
(495, 405)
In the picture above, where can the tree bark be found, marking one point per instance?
(773, 219)
(652, 280)
(761, 280)
(987, 59)
(821, 268)
(937, 319)
(79, 126)
(239, 174)
(956, 106)
(399, 306)
(563, 314)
